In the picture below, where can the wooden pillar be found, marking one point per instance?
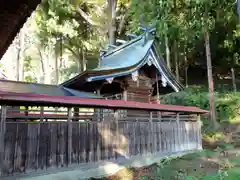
(76, 113)
(69, 141)
(41, 113)
(26, 110)
(116, 143)
(2, 135)
(100, 116)
(125, 95)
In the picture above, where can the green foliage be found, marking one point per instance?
(185, 21)
(29, 78)
(227, 104)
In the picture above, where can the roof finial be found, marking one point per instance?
(146, 29)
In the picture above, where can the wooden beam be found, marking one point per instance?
(2, 135)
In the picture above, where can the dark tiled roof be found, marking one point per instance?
(13, 14)
(52, 90)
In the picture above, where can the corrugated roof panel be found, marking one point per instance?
(38, 99)
(52, 90)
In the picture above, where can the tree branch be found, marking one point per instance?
(87, 18)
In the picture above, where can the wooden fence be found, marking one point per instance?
(34, 146)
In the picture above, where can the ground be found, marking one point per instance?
(220, 160)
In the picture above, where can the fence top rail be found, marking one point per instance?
(31, 99)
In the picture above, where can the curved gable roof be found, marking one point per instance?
(125, 60)
(125, 56)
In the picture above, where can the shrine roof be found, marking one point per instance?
(126, 59)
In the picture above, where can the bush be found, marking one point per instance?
(227, 103)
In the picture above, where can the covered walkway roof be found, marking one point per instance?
(30, 99)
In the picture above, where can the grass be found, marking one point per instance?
(216, 164)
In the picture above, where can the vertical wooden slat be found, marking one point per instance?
(15, 161)
(171, 136)
(194, 135)
(69, 141)
(105, 140)
(88, 142)
(186, 136)
(131, 143)
(174, 130)
(62, 143)
(116, 135)
(199, 132)
(134, 150)
(182, 135)
(178, 133)
(98, 141)
(83, 140)
(2, 135)
(151, 135)
(53, 145)
(164, 141)
(112, 142)
(140, 138)
(126, 134)
(79, 142)
(159, 136)
(38, 144)
(28, 145)
(91, 139)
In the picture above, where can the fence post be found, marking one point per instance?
(2, 135)
(41, 113)
(69, 144)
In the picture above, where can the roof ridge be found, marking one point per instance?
(23, 82)
(128, 43)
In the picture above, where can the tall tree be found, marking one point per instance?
(112, 5)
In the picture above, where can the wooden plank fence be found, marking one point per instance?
(35, 146)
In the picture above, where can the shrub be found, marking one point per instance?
(227, 103)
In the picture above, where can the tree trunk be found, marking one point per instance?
(176, 60)
(84, 64)
(112, 5)
(20, 50)
(42, 79)
(167, 52)
(56, 69)
(18, 63)
(186, 69)
(210, 79)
